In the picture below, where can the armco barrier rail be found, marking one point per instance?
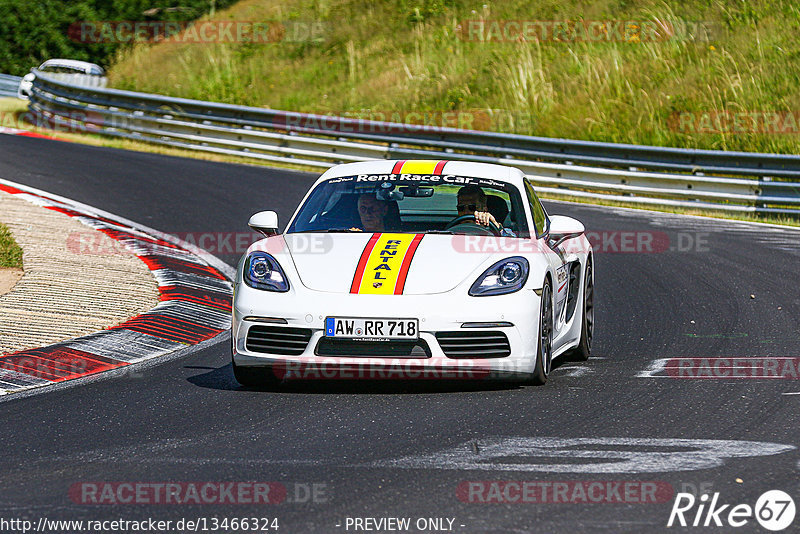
(9, 85)
(726, 181)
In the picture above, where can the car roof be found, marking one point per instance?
(500, 173)
(84, 66)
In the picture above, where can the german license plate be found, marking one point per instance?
(377, 328)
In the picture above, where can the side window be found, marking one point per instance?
(537, 210)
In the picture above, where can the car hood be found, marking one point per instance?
(424, 264)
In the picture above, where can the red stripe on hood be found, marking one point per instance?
(362, 263)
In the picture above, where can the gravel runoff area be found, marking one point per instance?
(8, 279)
(76, 279)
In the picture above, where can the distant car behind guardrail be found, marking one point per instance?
(72, 71)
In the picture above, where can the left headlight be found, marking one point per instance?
(505, 276)
(262, 271)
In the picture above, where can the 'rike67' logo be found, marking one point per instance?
(774, 510)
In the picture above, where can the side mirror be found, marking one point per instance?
(265, 222)
(563, 228)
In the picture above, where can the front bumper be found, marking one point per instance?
(445, 312)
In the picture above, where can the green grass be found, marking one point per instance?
(409, 55)
(10, 253)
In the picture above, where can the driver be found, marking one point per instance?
(472, 201)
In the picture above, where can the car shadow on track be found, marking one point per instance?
(222, 379)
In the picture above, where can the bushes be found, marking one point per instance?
(32, 32)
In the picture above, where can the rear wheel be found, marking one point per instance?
(544, 356)
(584, 348)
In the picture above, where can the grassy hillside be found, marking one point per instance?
(407, 55)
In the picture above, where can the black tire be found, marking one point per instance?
(583, 350)
(254, 377)
(544, 351)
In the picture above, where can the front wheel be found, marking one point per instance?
(584, 348)
(544, 356)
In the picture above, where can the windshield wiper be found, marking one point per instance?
(441, 232)
(323, 231)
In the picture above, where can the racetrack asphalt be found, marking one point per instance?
(187, 419)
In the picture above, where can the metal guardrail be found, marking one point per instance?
(741, 182)
(9, 85)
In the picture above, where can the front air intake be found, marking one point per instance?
(380, 349)
(282, 340)
(474, 344)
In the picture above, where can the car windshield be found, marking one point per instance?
(62, 69)
(418, 204)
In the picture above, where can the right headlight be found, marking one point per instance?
(262, 271)
(505, 276)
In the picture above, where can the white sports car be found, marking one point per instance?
(413, 269)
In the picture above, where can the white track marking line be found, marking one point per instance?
(576, 371)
